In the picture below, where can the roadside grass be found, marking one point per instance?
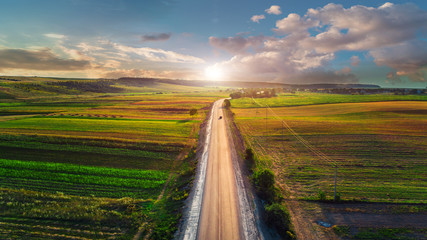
(379, 147)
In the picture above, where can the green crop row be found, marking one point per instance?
(152, 128)
(81, 180)
(88, 141)
(84, 148)
(85, 170)
(27, 214)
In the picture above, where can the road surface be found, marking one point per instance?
(219, 217)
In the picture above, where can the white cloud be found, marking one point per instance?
(174, 74)
(159, 55)
(85, 47)
(257, 18)
(75, 54)
(309, 43)
(364, 28)
(55, 35)
(274, 9)
(294, 23)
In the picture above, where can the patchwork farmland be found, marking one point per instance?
(377, 142)
(79, 163)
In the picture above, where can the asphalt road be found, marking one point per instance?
(220, 206)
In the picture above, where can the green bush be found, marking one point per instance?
(342, 231)
(193, 111)
(227, 103)
(249, 159)
(322, 195)
(264, 179)
(278, 216)
(338, 197)
(264, 183)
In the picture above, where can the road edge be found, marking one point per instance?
(188, 227)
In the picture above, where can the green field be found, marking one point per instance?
(378, 144)
(95, 159)
(308, 98)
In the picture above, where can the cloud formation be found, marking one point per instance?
(238, 44)
(364, 28)
(355, 60)
(43, 59)
(158, 55)
(274, 9)
(257, 18)
(407, 58)
(307, 44)
(175, 74)
(55, 35)
(155, 37)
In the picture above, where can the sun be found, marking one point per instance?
(214, 73)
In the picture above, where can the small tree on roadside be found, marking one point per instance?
(193, 111)
(249, 159)
(264, 179)
(277, 215)
(227, 103)
(264, 182)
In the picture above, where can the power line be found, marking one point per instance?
(304, 142)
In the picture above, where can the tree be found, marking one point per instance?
(264, 183)
(264, 179)
(193, 111)
(227, 103)
(249, 158)
(236, 95)
(278, 216)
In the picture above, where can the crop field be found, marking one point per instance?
(307, 98)
(83, 160)
(379, 147)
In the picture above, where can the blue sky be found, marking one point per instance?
(282, 41)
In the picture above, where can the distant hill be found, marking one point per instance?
(142, 82)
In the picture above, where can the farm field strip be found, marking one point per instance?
(83, 180)
(303, 98)
(49, 231)
(43, 215)
(156, 127)
(89, 149)
(368, 152)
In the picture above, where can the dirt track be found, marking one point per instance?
(220, 211)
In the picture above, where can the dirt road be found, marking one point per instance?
(220, 207)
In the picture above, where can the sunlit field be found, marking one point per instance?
(379, 147)
(95, 165)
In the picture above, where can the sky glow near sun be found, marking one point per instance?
(214, 73)
(313, 41)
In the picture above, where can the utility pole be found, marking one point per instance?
(335, 190)
(283, 134)
(266, 122)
